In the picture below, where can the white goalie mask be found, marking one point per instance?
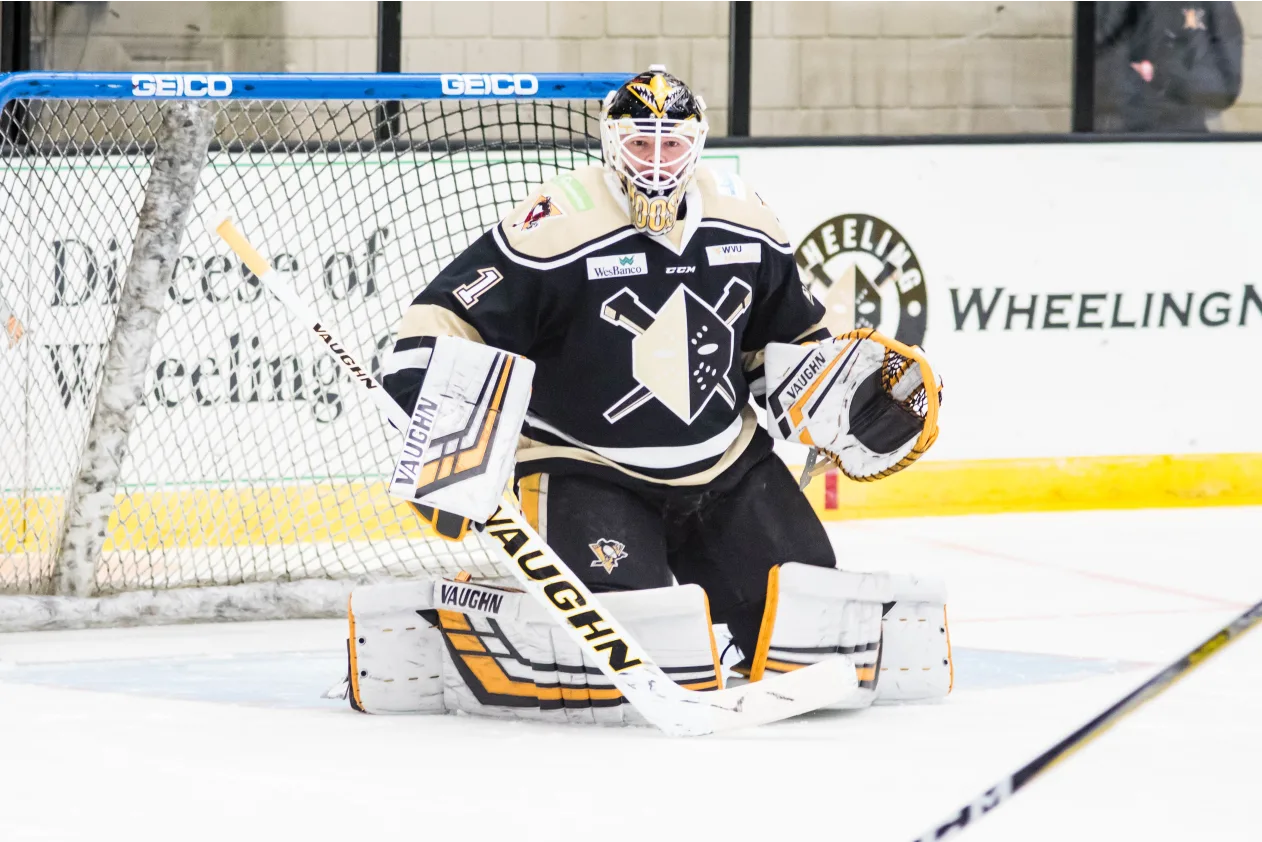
(652, 133)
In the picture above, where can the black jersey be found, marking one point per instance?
(647, 348)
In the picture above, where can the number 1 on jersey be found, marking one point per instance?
(469, 293)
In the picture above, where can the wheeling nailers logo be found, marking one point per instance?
(543, 208)
(866, 274)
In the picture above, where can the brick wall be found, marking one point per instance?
(819, 68)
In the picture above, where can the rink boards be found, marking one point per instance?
(1089, 306)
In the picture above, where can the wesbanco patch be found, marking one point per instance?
(617, 266)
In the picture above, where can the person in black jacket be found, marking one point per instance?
(1165, 67)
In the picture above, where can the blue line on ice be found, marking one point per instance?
(296, 679)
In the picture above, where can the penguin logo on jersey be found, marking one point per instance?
(608, 553)
(681, 354)
(543, 208)
(866, 275)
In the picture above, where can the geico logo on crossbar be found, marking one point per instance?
(489, 84)
(181, 84)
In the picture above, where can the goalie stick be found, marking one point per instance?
(541, 572)
(1150, 689)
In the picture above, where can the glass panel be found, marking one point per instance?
(1172, 67)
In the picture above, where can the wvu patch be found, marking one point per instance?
(608, 553)
(734, 253)
(543, 208)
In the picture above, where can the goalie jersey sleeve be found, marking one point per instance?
(511, 303)
(647, 348)
(787, 311)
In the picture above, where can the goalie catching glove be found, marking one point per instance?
(460, 446)
(860, 399)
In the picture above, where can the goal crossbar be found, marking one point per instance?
(308, 86)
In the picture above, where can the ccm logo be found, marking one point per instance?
(180, 84)
(489, 84)
(680, 270)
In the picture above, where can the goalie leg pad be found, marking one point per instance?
(529, 668)
(395, 652)
(916, 660)
(495, 652)
(814, 613)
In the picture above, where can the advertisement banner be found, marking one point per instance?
(1090, 307)
(1078, 300)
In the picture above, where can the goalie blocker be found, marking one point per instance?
(460, 446)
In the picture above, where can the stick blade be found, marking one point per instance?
(759, 703)
(791, 694)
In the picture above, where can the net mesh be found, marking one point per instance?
(251, 459)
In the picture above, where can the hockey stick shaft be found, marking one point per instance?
(544, 575)
(1150, 689)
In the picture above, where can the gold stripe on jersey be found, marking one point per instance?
(602, 215)
(528, 493)
(433, 320)
(746, 210)
(812, 329)
(751, 360)
(593, 208)
(529, 450)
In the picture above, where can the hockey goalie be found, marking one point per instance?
(598, 349)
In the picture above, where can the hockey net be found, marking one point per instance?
(249, 459)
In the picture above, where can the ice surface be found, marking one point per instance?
(217, 731)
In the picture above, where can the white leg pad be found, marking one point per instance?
(916, 654)
(396, 655)
(814, 613)
(441, 646)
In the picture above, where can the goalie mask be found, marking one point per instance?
(653, 131)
